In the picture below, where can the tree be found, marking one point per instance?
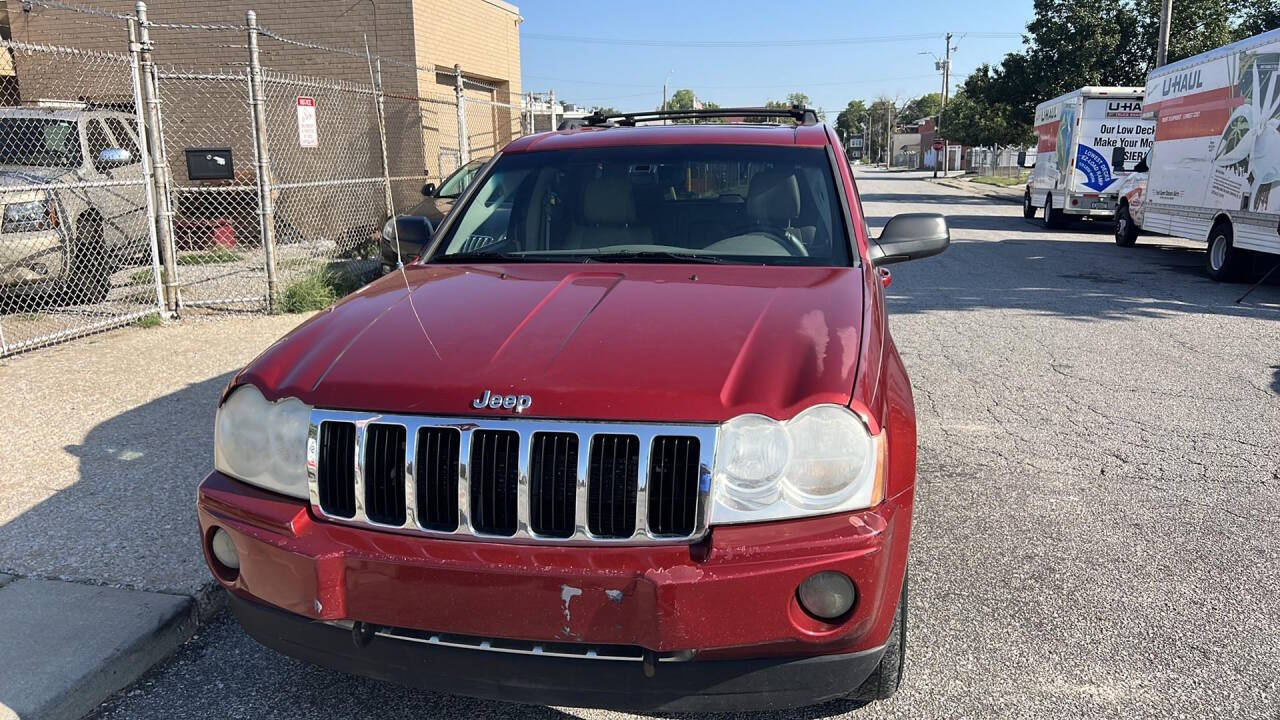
(798, 98)
(851, 121)
(682, 99)
(882, 112)
(1072, 43)
(973, 122)
(928, 105)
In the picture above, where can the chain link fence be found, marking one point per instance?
(215, 184)
(1006, 162)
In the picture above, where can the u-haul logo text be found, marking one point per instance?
(1182, 83)
(1124, 108)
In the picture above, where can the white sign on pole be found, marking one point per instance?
(307, 134)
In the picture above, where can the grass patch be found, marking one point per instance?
(149, 321)
(216, 256)
(1001, 181)
(318, 290)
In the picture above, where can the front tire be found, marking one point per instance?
(1223, 261)
(89, 281)
(1126, 230)
(1028, 210)
(885, 680)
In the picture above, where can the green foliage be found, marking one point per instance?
(925, 106)
(851, 121)
(798, 98)
(682, 99)
(215, 256)
(318, 290)
(149, 321)
(1073, 43)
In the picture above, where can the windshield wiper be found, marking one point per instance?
(655, 256)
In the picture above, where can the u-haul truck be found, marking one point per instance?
(1216, 161)
(1087, 141)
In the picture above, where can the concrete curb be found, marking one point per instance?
(991, 191)
(70, 646)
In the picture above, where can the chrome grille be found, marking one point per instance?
(514, 479)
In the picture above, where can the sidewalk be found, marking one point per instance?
(105, 441)
(1007, 194)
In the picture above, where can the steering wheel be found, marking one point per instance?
(778, 234)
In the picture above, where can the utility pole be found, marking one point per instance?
(946, 94)
(1166, 16)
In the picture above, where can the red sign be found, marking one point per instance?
(937, 145)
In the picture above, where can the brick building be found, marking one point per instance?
(482, 37)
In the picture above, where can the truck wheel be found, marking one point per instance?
(1052, 216)
(1126, 230)
(1028, 210)
(90, 278)
(1223, 261)
(884, 681)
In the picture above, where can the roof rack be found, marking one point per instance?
(799, 113)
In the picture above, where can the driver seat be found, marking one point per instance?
(773, 199)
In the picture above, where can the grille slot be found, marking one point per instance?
(384, 474)
(436, 466)
(553, 478)
(336, 468)
(494, 475)
(612, 476)
(673, 485)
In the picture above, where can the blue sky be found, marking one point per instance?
(629, 76)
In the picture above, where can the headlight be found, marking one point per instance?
(821, 461)
(28, 217)
(263, 443)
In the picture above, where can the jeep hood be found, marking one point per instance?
(672, 343)
(13, 177)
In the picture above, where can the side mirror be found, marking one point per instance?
(1141, 166)
(1117, 158)
(114, 158)
(911, 236)
(429, 189)
(413, 229)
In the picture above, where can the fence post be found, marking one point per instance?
(159, 167)
(149, 181)
(554, 125)
(266, 210)
(464, 152)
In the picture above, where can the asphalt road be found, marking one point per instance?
(1098, 505)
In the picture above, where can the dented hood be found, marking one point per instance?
(631, 342)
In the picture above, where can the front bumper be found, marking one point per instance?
(729, 598)
(32, 259)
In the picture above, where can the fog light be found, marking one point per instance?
(224, 550)
(827, 595)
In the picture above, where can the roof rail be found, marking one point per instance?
(799, 113)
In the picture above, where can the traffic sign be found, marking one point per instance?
(937, 145)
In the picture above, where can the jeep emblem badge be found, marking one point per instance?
(494, 401)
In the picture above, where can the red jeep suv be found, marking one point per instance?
(631, 434)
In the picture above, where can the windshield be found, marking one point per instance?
(39, 142)
(697, 203)
(460, 179)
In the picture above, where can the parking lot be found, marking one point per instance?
(1097, 503)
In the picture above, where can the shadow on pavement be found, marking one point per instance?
(129, 519)
(1085, 280)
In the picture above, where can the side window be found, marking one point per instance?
(124, 138)
(96, 135)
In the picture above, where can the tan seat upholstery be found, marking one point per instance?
(609, 216)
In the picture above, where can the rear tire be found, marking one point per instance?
(885, 680)
(1028, 210)
(1126, 230)
(1052, 216)
(1223, 261)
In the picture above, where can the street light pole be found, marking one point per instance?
(664, 93)
(946, 93)
(1166, 16)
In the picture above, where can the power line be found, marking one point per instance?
(807, 42)
(699, 86)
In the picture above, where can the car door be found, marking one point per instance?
(123, 203)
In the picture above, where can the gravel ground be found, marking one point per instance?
(1097, 508)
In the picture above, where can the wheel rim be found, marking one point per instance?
(1122, 226)
(1218, 252)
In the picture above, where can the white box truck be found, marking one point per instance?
(1216, 159)
(1087, 142)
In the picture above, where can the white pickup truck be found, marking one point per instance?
(73, 196)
